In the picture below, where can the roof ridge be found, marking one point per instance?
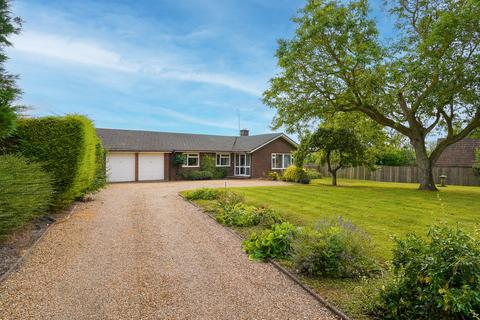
(189, 133)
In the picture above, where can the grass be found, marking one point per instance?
(382, 209)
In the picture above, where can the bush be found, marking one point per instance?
(197, 175)
(438, 278)
(229, 199)
(272, 175)
(313, 174)
(271, 243)
(208, 164)
(296, 174)
(203, 194)
(26, 192)
(242, 215)
(179, 159)
(220, 173)
(68, 148)
(335, 249)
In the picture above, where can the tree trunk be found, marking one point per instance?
(334, 177)
(425, 166)
(333, 172)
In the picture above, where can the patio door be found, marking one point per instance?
(242, 164)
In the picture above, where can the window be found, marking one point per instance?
(281, 160)
(192, 160)
(223, 159)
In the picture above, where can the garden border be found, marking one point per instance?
(280, 268)
(22, 258)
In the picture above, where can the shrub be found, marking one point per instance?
(208, 164)
(220, 173)
(271, 243)
(272, 175)
(203, 194)
(335, 249)
(100, 179)
(435, 278)
(296, 174)
(313, 174)
(179, 159)
(242, 215)
(67, 147)
(197, 175)
(229, 199)
(26, 192)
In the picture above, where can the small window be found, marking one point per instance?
(192, 160)
(223, 159)
(281, 161)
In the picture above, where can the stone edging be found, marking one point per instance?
(22, 258)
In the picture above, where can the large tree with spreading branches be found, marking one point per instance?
(9, 92)
(425, 82)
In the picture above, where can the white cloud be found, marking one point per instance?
(91, 53)
(70, 50)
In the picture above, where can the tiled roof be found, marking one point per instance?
(135, 140)
(460, 154)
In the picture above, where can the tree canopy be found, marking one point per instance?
(424, 82)
(8, 90)
(338, 147)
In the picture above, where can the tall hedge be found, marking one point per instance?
(68, 148)
(25, 192)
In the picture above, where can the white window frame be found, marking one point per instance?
(224, 156)
(192, 155)
(283, 167)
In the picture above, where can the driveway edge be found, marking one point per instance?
(21, 259)
(290, 275)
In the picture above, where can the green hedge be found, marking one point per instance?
(196, 175)
(68, 148)
(26, 192)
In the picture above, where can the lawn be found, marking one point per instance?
(380, 208)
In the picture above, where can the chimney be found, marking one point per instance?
(244, 133)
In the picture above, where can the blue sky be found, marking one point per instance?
(166, 65)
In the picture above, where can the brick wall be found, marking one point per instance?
(174, 171)
(262, 158)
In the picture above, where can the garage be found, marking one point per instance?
(120, 167)
(151, 166)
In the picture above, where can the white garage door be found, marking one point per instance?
(150, 166)
(120, 167)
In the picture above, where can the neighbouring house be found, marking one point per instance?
(460, 154)
(134, 155)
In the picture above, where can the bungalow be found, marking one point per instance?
(134, 155)
(460, 154)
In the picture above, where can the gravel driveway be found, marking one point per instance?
(140, 252)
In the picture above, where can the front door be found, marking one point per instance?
(242, 164)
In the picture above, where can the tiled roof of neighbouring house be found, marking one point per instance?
(135, 140)
(460, 154)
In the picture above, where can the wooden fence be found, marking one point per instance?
(455, 175)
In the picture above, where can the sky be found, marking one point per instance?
(195, 66)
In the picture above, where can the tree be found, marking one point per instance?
(396, 152)
(424, 82)
(8, 90)
(339, 147)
